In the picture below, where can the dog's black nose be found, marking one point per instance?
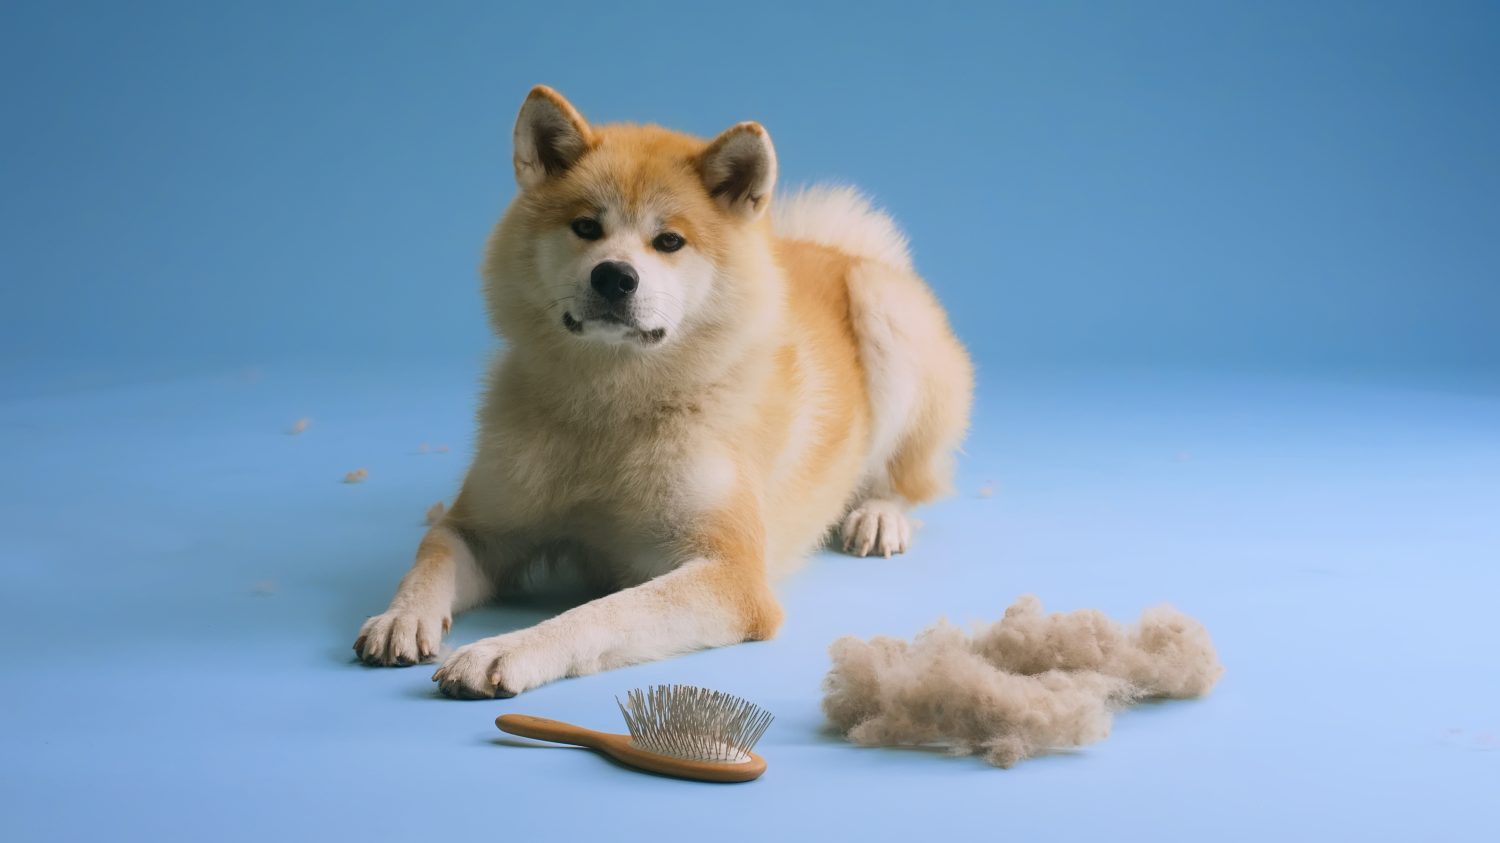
(614, 280)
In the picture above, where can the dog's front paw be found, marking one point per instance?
(876, 526)
(400, 637)
(502, 666)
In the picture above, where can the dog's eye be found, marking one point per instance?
(588, 229)
(668, 242)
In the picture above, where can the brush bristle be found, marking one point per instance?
(694, 723)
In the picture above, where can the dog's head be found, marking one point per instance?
(622, 235)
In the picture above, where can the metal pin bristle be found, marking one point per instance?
(694, 723)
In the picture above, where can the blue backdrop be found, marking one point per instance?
(1231, 273)
(1268, 184)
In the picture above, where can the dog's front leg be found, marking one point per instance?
(719, 597)
(443, 581)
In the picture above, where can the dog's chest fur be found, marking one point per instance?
(616, 487)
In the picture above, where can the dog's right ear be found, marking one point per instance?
(550, 137)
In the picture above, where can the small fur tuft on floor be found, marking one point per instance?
(1029, 683)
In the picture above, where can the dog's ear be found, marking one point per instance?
(739, 169)
(550, 137)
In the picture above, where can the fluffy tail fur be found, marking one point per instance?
(842, 218)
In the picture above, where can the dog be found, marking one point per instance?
(700, 383)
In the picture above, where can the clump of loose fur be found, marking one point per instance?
(1030, 683)
(358, 475)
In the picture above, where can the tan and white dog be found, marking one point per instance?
(694, 392)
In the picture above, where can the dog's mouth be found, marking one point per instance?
(645, 336)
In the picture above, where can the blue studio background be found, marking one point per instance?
(1230, 273)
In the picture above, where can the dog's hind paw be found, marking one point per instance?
(876, 526)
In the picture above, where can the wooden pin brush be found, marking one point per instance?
(675, 730)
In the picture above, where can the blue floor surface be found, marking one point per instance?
(181, 580)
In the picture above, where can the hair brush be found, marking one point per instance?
(675, 730)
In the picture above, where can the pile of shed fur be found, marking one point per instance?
(1030, 683)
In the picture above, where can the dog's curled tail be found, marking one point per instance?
(840, 217)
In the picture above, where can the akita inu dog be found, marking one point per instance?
(700, 381)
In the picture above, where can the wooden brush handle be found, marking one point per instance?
(543, 729)
(620, 747)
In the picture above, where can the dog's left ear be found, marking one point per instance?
(739, 169)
